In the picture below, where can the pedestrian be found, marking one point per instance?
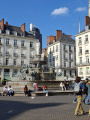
(10, 91)
(65, 85)
(45, 89)
(25, 90)
(62, 86)
(78, 88)
(87, 100)
(5, 90)
(35, 86)
(85, 89)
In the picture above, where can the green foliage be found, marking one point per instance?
(2, 82)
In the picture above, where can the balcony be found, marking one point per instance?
(86, 41)
(15, 45)
(83, 64)
(31, 56)
(23, 47)
(70, 51)
(23, 55)
(65, 59)
(65, 50)
(79, 43)
(71, 59)
(8, 64)
(15, 54)
(0, 54)
(0, 44)
(65, 67)
(87, 52)
(88, 73)
(7, 55)
(32, 48)
(8, 45)
(80, 73)
(80, 53)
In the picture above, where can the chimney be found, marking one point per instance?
(87, 20)
(23, 27)
(6, 24)
(2, 24)
(58, 34)
(50, 39)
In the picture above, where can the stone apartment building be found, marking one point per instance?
(83, 49)
(17, 47)
(62, 55)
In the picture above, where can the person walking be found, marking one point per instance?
(85, 89)
(88, 96)
(78, 88)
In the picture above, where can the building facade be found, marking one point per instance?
(17, 47)
(83, 49)
(62, 55)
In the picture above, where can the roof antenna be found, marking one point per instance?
(79, 25)
(89, 9)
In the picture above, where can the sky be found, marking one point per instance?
(47, 15)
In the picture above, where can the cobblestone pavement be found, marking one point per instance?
(40, 108)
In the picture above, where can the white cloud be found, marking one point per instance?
(80, 9)
(60, 11)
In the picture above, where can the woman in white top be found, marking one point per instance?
(62, 86)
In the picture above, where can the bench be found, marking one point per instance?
(41, 93)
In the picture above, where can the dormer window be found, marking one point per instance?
(15, 33)
(7, 32)
(22, 34)
(0, 30)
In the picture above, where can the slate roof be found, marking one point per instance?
(13, 29)
(66, 39)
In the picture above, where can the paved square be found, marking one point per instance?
(40, 108)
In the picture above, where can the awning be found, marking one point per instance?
(7, 77)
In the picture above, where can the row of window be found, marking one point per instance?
(81, 71)
(70, 48)
(80, 40)
(65, 65)
(14, 62)
(87, 59)
(64, 48)
(54, 49)
(86, 50)
(70, 73)
(7, 71)
(65, 57)
(15, 42)
(14, 33)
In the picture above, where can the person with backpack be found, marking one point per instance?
(78, 89)
(88, 96)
